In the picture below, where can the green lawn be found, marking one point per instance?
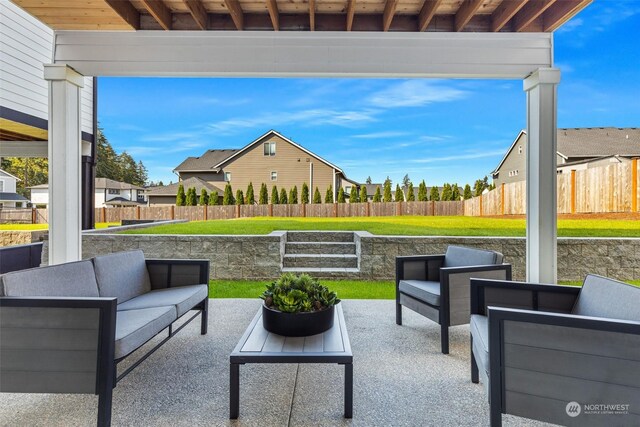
(33, 227)
(400, 225)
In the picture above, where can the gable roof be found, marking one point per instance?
(205, 163)
(4, 172)
(101, 183)
(172, 189)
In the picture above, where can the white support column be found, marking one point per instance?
(65, 150)
(541, 175)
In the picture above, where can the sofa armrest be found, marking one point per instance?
(418, 267)
(57, 345)
(168, 273)
(530, 296)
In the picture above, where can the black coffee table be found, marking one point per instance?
(257, 345)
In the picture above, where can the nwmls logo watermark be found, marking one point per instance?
(574, 409)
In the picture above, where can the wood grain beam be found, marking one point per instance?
(312, 15)
(389, 11)
(237, 15)
(126, 11)
(351, 11)
(198, 12)
(159, 11)
(272, 7)
(530, 12)
(561, 12)
(504, 12)
(427, 13)
(466, 12)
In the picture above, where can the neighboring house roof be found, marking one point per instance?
(591, 142)
(12, 197)
(4, 172)
(371, 188)
(121, 201)
(41, 186)
(580, 162)
(102, 183)
(172, 189)
(205, 163)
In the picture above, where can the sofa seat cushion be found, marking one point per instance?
(608, 298)
(72, 279)
(136, 327)
(422, 290)
(122, 275)
(183, 297)
(479, 327)
(458, 256)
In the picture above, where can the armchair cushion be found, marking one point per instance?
(183, 297)
(122, 275)
(603, 297)
(74, 279)
(479, 327)
(136, 327)
(422, 290)
(458, 256)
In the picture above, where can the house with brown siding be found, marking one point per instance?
(272, 159)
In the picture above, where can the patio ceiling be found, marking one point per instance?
(305, 15)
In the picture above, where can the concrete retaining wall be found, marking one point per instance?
(15, 237)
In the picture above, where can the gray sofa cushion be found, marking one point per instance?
(73, 279)
(135, 327)
(458, 256)
(422, 290)
(122, 275)
(608, 298)
(479, 327)
(183, 297)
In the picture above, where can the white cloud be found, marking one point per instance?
(416, 93)
(380, 135)
(467, 156)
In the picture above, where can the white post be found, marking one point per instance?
(335, 187)
(65, 149)
(541, 175)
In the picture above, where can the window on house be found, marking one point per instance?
(274, 176)
(347, 189)
(519, 149)
(113, 191)
(227, 176)
(269, 148)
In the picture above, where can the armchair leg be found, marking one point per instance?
(204, 317)
(474, 365)
(398, 314)
(444, 338)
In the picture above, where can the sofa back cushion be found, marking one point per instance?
(458, 256)
(73, 279)
(122, 275)
(608, 298)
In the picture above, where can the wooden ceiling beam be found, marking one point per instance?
(389, 11)
(237, 15)
(197, 10)
(504, 12)
(427, 13)
(466, 12)
(312, 15)
(351, 11)
(272, 7)
(126, 11)
(561, 12)
(529, 13)
(159, 11)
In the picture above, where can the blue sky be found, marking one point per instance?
(437, 130)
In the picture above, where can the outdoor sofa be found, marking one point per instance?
(64, 328)
(438, 286)
(555, 353)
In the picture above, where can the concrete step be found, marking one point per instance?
(319, 236)
(344, 248)
(321, 260)
(325, 273)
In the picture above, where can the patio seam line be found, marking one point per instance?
(293, 395)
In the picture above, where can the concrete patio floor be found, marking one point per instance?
(400, 379)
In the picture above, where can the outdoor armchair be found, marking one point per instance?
(555, 353)
(437, 286)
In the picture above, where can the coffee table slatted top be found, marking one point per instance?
(258, 345)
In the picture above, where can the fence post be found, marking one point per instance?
(480, 204)
(399, 208)
(433, 208)
(137, 212)
(270, 209)
(634, 185)
(573, 191)
(173, 212)
(204, 215)
(304, 210)
(368, 208)
(103, 214)
(34, 216)
(335, 210)
(502, 198)
(237, 211)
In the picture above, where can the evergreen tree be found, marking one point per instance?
(328, 197)
(467, 192)
(368, 181)
(363, 194)
(354, 197)
(399, 194)
(406, 181)
(341, 198)
(293, 195)
(213, 198)
(250, 197)
(191, 199)
(180, 197)
(410, 196)
(228, 199)
(422, 192)
(284, 200)
(317, 198)
(204, 197)
(239, 197)
(387, 190)
(264, 194)
(275, 199)
(377, 197)
(435, 194)
(446, 192)
(455, 192)
(304, 198)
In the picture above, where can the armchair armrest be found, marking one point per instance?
(418, 267)
(532, 296)
(167, 273)
(57, 345)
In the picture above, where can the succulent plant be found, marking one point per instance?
(298, 294)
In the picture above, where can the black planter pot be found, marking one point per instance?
(298, 324)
